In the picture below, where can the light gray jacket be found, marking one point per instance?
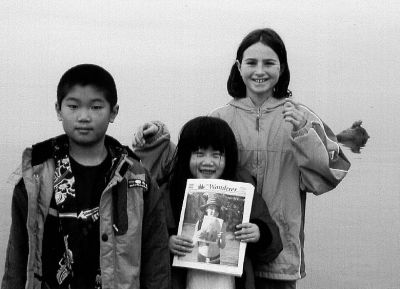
(136, 257)
(285, 165)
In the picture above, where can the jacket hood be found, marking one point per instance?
(247, 104)
(57, 146)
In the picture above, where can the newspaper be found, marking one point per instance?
(210, 212)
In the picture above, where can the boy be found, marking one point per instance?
(85, 213)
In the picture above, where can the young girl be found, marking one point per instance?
(206, 149)
(283, 145)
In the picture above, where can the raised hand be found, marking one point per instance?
(144, 131)
(292, 114)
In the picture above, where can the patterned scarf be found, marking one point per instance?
(65, 197)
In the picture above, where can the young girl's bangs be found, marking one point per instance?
(205, 132)
(206, 140)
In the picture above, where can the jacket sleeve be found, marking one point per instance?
(156, 156)
(155, 265)
(269, 245)
(17, 249)
(157, 153)
(321, 161)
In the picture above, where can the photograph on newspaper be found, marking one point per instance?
(210, 212)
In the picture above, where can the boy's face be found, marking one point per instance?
(85, 114)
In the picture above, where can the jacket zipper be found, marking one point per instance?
(258, 142)
(258, 119)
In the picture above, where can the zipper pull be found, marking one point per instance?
(258, 119)
(258, 123)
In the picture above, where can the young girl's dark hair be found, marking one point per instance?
(267, 36)
(200, 132)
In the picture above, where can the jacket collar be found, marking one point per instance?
(247, 104)
(58, 146)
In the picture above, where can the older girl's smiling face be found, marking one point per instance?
(260, 70)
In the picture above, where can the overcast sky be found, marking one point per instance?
(171, 59)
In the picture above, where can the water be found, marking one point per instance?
(352, 233)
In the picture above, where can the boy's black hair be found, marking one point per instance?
(235, 85)
(200, 132)
(88, 74)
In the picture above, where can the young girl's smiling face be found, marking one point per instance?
(260, 70)
(207, 163)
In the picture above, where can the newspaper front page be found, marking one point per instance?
(210, 212)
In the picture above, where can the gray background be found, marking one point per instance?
(171, 60)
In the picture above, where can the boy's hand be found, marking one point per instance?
(292, 114)
(248, 233)
(180, 245)
(142, 132)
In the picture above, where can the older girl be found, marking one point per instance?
(284, 145)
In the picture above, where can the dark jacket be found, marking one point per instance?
(135, 256)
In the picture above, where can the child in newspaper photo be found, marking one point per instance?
(209, 232)
(206, 149)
